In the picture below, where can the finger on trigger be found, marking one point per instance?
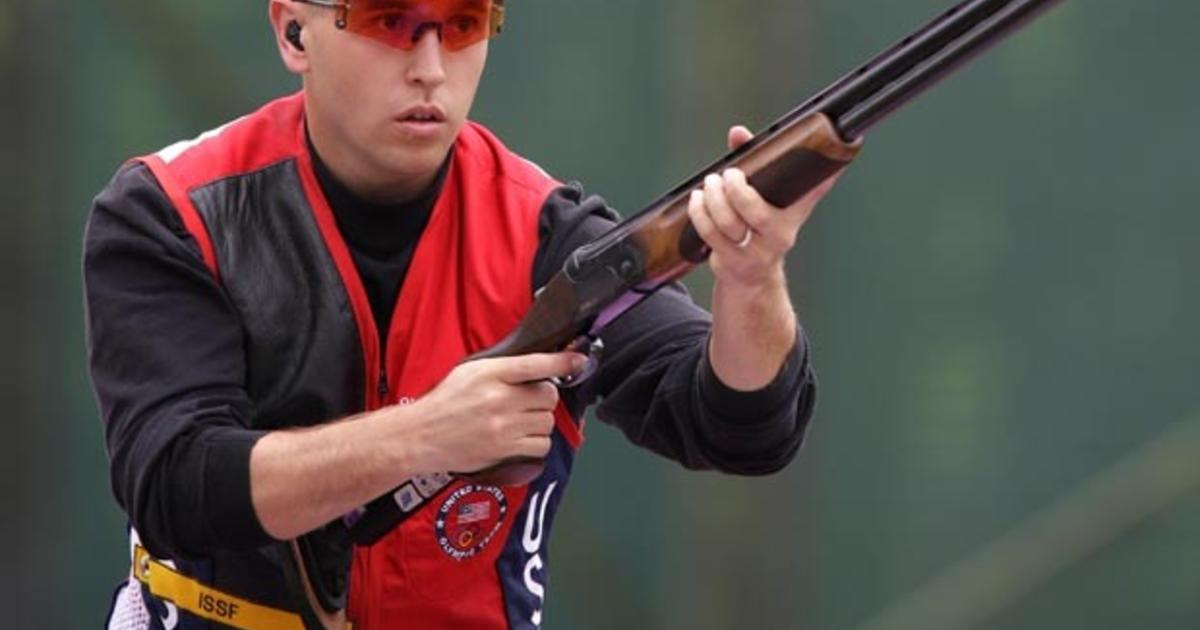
(542, 366)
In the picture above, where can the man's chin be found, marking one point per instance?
(417, 163)
(409, 170)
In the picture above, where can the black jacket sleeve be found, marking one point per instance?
(655, 382)
(166, 360)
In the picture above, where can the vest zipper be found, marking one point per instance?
(382, 387)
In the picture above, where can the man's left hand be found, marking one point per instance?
(754, 324)
(749, 237)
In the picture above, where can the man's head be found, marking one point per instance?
(387, 83)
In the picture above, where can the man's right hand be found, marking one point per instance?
(486, 411)
(483, 412)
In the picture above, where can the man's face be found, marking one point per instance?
(383, 118)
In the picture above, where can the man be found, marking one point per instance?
(279, 313)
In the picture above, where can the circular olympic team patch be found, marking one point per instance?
(469, 518)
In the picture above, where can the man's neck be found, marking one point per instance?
(377, 229)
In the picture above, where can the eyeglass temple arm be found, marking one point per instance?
(329, 4)
(342, 6)
(496, 26)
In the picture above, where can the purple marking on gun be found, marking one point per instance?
(628, 300)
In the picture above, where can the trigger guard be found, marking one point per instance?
(594, 350)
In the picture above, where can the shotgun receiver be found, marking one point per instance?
(605, 278)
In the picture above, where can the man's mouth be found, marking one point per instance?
(423, 114)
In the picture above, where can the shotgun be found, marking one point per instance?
(603, 279)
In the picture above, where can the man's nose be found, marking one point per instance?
(427, 53)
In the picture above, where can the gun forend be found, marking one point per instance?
(782, 167)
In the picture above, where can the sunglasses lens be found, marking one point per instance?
(400, 23)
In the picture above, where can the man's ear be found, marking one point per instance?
(282, 13)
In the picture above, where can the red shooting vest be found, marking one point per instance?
(473, 556)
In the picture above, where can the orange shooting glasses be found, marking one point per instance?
(401, 23)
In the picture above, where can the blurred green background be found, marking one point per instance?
(1000, 294)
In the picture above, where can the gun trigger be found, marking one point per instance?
(593, 348)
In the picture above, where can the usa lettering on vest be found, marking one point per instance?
(532, 544)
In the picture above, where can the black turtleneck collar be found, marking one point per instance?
(381, 237)
(377, 229)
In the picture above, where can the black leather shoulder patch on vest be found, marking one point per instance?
(303, 354)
